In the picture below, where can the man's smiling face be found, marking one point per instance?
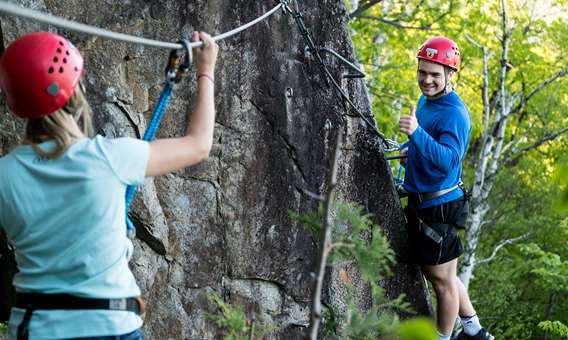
(431, 78)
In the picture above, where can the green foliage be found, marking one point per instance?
(562, 175)
(367, 326)
(3, 329)
(527, 279)
(555, 328)
(418, 329)
(388, 53)
(311, 220)
(355, 238)
(372, 252)
(231, 319)
(549, 271)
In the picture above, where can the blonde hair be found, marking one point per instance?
(65, 126)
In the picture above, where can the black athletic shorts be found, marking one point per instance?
(444, 219)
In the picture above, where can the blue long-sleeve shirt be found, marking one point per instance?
(437, 147)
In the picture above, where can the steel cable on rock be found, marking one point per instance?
(389, 145)
(19, 11)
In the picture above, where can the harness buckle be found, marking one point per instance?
(117, 304)
(429, 231)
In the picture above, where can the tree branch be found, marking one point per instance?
(327, 223)
(396, 23)
(338, 245)
(485, 93)
(541, 86)
(311, 194)
(362, 8)
(499, 124)
(516, 153)
(503, 71)
(499, 246)
(357, 14)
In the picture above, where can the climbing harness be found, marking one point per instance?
(388, 145)
(423, 197)
(31, 302)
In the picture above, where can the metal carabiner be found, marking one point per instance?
(176, 69)
(185, 67)
(286, 7)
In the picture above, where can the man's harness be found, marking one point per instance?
(419, 198)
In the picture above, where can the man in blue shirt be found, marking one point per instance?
(438, 135)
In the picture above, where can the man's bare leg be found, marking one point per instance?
(443, 278)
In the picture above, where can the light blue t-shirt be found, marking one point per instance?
(66, 220)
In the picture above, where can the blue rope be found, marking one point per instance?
(148, 136)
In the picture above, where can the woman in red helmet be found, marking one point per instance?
(62, 193)
(438, 135)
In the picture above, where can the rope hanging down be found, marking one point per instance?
(16, 10)
(148, 136)
(176, 70)
(389, 145)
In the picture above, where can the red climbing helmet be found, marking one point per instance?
(441, 50)
(38, 73)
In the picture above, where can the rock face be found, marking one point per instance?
(223, 226)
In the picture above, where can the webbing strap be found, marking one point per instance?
(149, 135)
(431, 195)
(423, 197)
(37, 301)
(430, 232)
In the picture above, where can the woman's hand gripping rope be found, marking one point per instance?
(205, 56)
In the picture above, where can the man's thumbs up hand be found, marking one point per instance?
(408, 124)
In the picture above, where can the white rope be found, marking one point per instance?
(10, 8)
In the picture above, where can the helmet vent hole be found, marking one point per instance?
(50, 70)
(67, 52)
(61, 43)
(58, 50)
(76, 69)
(65, 60)
(61, 70)
(55, 59)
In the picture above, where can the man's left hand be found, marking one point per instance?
(408, 124)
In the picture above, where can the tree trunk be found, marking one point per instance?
(470, 245)
(223, 225)
(549, 309)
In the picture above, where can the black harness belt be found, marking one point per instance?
(35, 301)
